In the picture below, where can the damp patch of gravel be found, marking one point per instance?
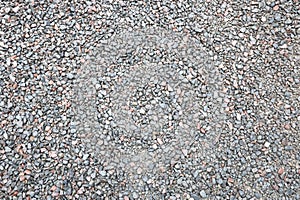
(251, 150)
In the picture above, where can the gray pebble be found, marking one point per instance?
(203, 194)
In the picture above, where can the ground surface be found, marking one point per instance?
(140, 100)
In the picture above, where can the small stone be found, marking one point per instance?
(242, 193)
(12, 78)
(195, 197)
(230, 180)
(170, 89)
(70, 76)
(276, 7)
(81, 190)
(139, 170)
(203, 194)
(277, 17)
(48, 137)
(145, 179)
(22, 177)
(53, 188)
(267, 144)
(252, 40)
(189, 76)
(220, 181)
(196, 173)
(288, 21)
(52, 154)
(142, 111)
(239, 67)
(154, 146)
(179, 181)
(289, 148)
(185, 152)
(254, 170)
(102, 173)
(31, 193)
(7, 9)
(258, 195)
(73, 130)
(7, 149)
(77, 26)
(160, 142)
(281, 171)
(135, 195)
(238, 116)
(47, 128)
(284, 46)
(16, 9)
(19, 123)
(85, 156)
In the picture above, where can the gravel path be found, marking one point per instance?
(138, 100)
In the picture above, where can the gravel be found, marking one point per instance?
(160, 100)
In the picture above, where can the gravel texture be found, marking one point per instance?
(139, 100)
